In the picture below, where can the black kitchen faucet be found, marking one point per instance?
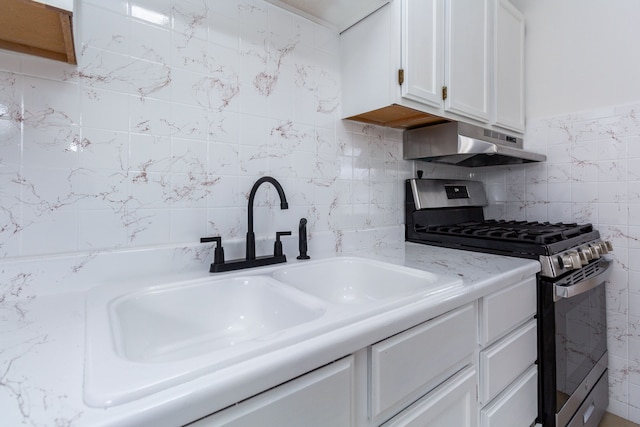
(219, 264)
(251, 237)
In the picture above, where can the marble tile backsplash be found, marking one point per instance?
(173, 111)
(592, 175)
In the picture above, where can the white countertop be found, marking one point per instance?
(43, 344)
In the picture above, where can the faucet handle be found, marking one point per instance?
(216, 239)
(218, 253)
(277, 246)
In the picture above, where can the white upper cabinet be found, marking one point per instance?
(467, 58)
(509, 67)
(422, 55)
(423, 62)
(446, 55)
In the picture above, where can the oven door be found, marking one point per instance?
(580, 335)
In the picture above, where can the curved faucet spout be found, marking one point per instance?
(251, 238)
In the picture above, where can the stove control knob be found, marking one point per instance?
(585, 252)
(571, 260)
(585, 255)
(576, 260)
(604, 249)
(595, 251)
(608, 245)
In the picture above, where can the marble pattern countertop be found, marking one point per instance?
(43, 344)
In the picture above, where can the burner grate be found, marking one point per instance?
(520, 231)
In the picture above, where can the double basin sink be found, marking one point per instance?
(140, 342)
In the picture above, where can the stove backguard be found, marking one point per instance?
(416, 217)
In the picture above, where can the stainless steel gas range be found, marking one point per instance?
(571, 317)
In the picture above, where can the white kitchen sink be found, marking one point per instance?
(173, 323)
(350, 280)
(142, 341)
(142, 338)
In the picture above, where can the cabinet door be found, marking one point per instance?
(467, 58)
(504, 361)
(422, 50)
(406, 366)
(324, 397)
(509, 67)
(502, 311)
(517, 406)
(451, 404)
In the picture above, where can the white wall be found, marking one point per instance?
(580, 54)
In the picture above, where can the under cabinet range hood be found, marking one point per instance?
(462, 144)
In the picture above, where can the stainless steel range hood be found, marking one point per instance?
(466, 145)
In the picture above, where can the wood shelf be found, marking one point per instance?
(398, 116)
(31, 27)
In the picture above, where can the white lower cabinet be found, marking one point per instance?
(508, 387)
(324, 397)
(472, 365)
(451, 404)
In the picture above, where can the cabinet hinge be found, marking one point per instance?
(400, 76)
(444, 93)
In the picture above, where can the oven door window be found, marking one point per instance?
(581, 339)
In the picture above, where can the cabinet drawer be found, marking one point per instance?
(504, 310)
(451, 404)
(324, 397)
(506, 360)
(407, 365)
(517, 406)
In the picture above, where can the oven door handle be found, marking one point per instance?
(583, 286)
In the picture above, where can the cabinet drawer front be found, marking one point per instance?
(407, 365)
(451, 404)
(506, 360)
(504, 310)
(517, 406)
(324, 397)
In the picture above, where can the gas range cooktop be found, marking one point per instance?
(526, 239)
(503, 241)
(543, 233)
(450, 213)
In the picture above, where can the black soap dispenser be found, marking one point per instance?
(302, 239)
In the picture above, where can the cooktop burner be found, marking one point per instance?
(543, 233)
